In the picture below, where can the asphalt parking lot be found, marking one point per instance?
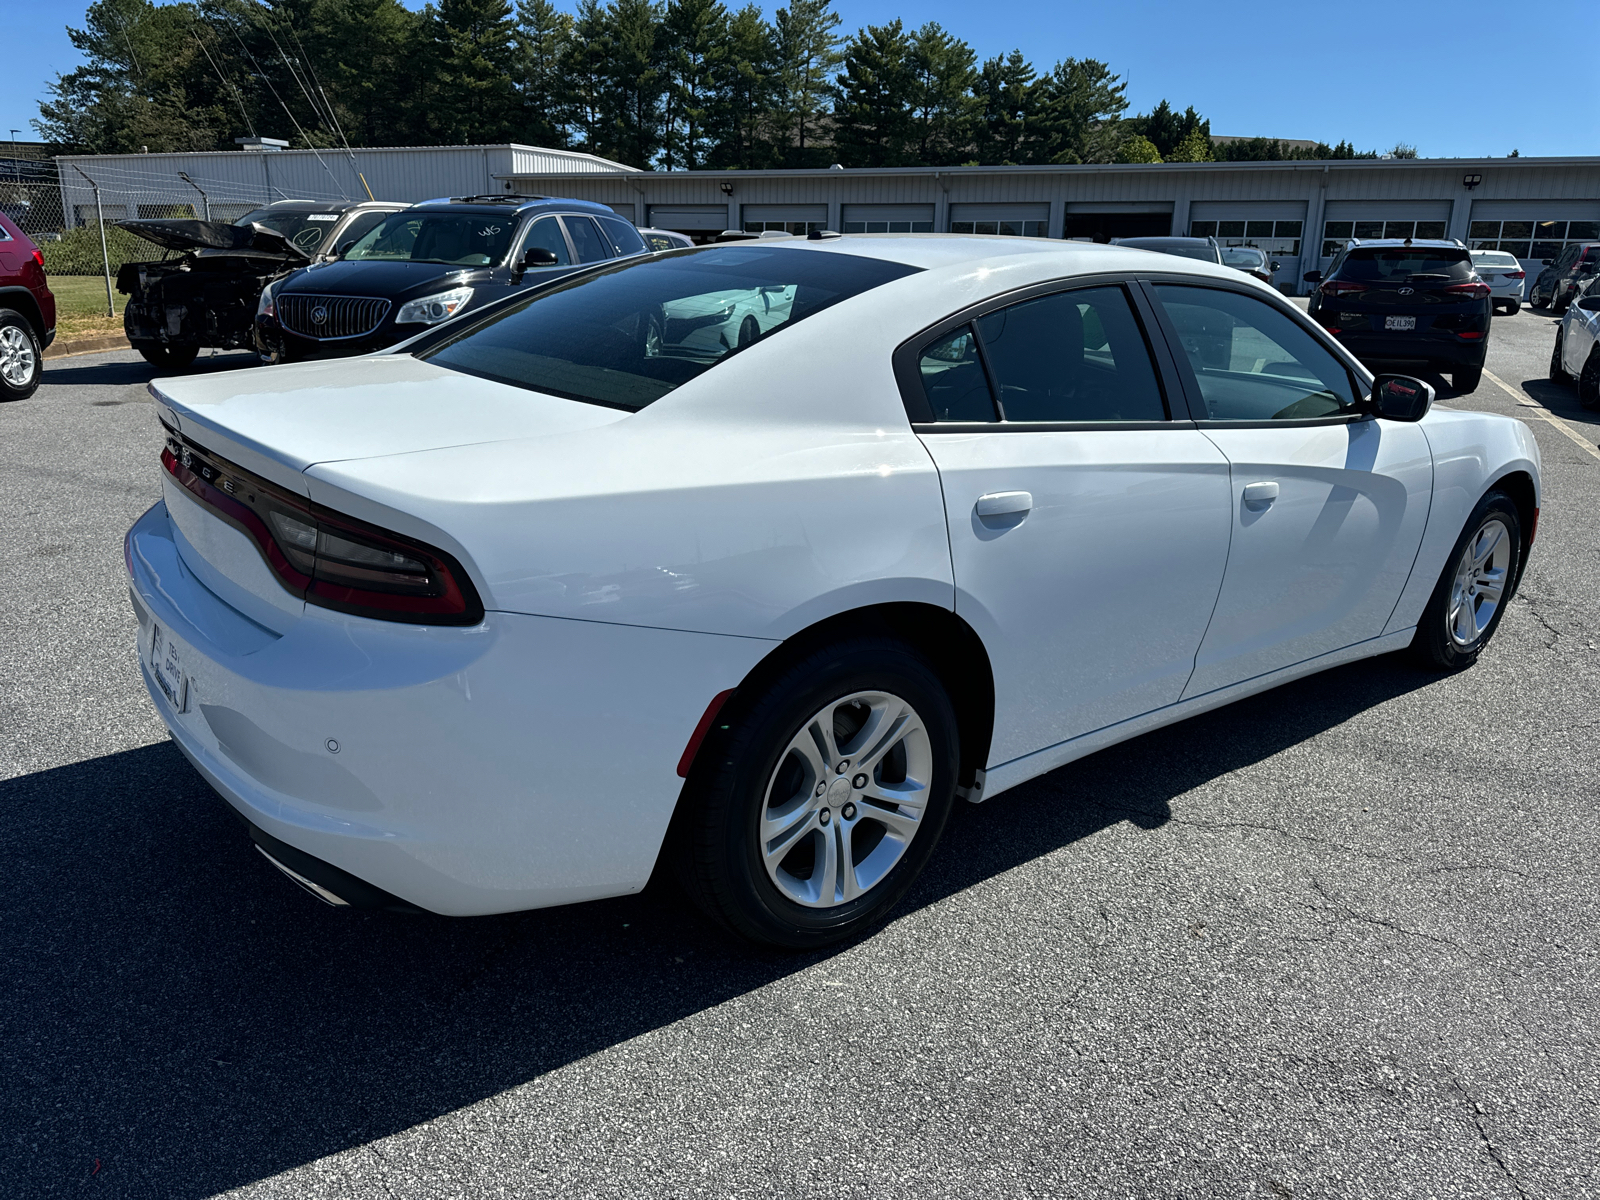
(1339, 940)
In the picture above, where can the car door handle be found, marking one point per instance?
(1260, 493)
(1001, 504)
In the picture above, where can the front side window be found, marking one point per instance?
(586, 239)
(545, 234)
(454, 239)
(361, 226)
(1073, 356)
(626, 335)
(1252, 362)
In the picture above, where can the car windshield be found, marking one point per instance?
(1243, 256)
(307, 230)
(458, 239)
(1186, 249)
(626, 335)
(1494, 258)
(1400, 264)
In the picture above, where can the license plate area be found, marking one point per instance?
(1400, 324)
(167, 669)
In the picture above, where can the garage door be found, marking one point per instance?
(690, 218)
(1532, 229)
(887, 218)
(784, 218)
(1346, 219)
(1016, 220)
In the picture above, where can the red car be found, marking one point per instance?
(27, 313)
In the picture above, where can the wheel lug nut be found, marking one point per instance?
(822, 786)
(859, 782)
(848, 812)
(843, 766)
(824, 817)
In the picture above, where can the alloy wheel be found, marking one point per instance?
(846, 799)
(17, 358)
(1480, 582)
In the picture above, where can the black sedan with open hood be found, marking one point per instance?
(203, 292)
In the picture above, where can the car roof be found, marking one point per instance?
(518, 204)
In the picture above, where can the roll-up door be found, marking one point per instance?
(625, 211)
(1016, 220)
(1346, 219)
(887, 218)
(1532, 229)
(689, 218)
(784, 218)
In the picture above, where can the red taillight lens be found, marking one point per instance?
(329, 559)
(1516, 274)
(38, 256)
(1342, 287)
(1468, 291)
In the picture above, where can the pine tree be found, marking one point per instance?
(1195, 147)
(874, 98)
(696, 52)
(634, 87)
(474, 57)
(1007, 92)
(944, 110)
(808, 55)
(1079, 105)
(744, 121)
(544, 37)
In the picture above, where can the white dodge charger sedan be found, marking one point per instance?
(503, 616)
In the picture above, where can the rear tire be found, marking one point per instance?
(1558, 372)
(21, 356)
(771, 841)
(1589, 380)
(171, 358)
(1465, 380)
(1513, 307)
(1477, 584)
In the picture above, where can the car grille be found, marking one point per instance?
(340, 316)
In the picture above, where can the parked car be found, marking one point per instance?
(1252, 260)
(1505, 277)
(207, 295)
(1559, 281)
(27, 313)
(431, 262)
(504, 618)
(1407, 301)
(665, 239)
(1203, 249)
(1576, 356)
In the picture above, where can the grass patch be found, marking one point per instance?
(81, 306)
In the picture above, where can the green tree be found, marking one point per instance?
(1195, 147)
(1008, 95)
(584, 69)
(696, 53)
(474, 61)
(944, 110)
(635, 84)
(1137, 148)
(1403, 150)
(1079, 105)
(808, 55)
(744, 120)
(544, 38)
(874, 98)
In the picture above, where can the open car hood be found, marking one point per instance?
(214, 235)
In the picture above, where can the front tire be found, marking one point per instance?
(1465, 380)
(1478, 582)
(1558, 370)
(21, 356)
(822, 798)
(171, 358)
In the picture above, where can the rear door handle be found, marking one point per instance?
(1260, 493)
(1001, 504)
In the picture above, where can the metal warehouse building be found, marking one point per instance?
(1297, 211)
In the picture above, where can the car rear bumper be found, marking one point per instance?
(1443, 349)
(521, 763)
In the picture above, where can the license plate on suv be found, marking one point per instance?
(166, 670)
(1400, 324)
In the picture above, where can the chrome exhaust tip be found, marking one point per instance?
(316, 889)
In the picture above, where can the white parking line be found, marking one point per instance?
(1544, 414)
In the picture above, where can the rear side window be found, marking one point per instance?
(623, 236)
(626, 335)
(1252, 362)
(586, 240)
(1404, 264)
(953, 378)
(1073, 356)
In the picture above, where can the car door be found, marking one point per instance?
(1580, 330)
(588, 243)
(1088, 529)
(1327, 504)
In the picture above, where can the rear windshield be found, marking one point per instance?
(1243, 256)
(626, 335)
(1494, 258)
(307, 230)
(1399, 264)
(457, 239)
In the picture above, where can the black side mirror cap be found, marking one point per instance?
(1549, 262)
(1312, 277)
(538, 256)
(1401, 398)
(346, 248)
(1274, 264)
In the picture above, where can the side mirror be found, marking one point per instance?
(538, 256)
(1549, 262)
(1313, 276)
(346, 248)
(1401, 398)
(1275, 264)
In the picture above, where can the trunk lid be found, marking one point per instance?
(181, 234)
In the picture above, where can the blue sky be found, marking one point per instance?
(1455, 79)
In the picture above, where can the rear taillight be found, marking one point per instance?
(1516, 274)
(1342, 287)
(38, 256)
(1468, 291)
(329, 559)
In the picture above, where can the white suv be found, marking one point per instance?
(1505, 277)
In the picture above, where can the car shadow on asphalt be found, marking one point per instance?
(178, 1019)
(66, 373)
